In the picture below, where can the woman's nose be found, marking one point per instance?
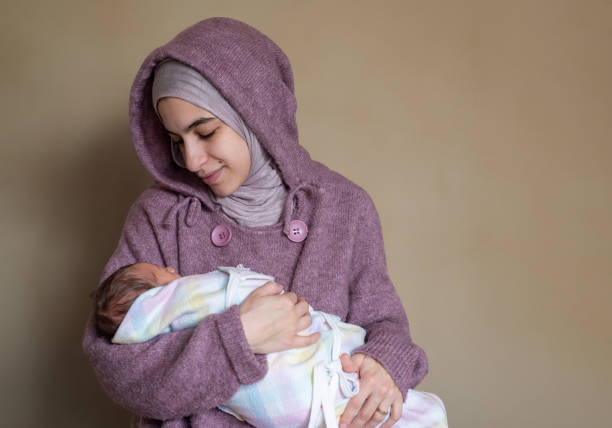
(195, 155)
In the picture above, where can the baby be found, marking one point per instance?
(116, 294)
(140, 301)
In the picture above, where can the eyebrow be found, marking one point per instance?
(195, 123)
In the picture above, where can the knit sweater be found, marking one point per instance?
(179, 378)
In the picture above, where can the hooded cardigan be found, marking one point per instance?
(178, 379)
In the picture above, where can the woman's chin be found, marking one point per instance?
(222, 191)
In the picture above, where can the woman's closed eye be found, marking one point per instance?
(203, 137)
(207, 135)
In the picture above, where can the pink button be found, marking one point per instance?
(297, 230)
(221, 235)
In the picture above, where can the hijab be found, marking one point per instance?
(260, 199)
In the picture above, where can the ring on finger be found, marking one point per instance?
(384, 412)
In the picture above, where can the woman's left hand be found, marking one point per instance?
(377, 393)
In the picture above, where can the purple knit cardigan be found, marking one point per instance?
(179, 378)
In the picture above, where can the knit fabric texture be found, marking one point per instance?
(178, 379)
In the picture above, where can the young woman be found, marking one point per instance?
(212, 115)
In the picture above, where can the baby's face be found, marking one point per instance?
(159, 275)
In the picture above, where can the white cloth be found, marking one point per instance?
(303, 386)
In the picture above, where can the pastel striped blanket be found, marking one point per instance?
(304, 387)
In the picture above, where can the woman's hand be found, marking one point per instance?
(377, 393)
(271, 321)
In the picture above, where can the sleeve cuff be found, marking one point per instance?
(249, 367)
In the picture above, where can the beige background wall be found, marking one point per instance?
(481, 129)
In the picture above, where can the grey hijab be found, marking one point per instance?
(260, 199)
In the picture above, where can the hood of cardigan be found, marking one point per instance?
(252, 73)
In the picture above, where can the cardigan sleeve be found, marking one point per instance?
(375, 305)
(175, 374)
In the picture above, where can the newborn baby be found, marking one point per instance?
(142, 300)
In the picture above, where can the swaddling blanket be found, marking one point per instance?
(303, 386)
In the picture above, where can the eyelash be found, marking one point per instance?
(204, 137)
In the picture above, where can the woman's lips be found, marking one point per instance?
(210, 179)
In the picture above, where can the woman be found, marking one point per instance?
(212, 115)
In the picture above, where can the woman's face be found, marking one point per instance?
(211, 149)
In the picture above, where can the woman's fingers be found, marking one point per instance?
(351, 364)
(291, 296)
(303, 341)
(347, 363)
(396, 413)
(352, 408)
(274, 322)
(383, 408)
(304, 322)
(377, 393)
(270, 288)
(352, 415)
(301, 307)
(369, 415)
(381, 411)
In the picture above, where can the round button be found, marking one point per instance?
(297, 230)
(221, 235)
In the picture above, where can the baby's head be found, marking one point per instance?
(116, 294)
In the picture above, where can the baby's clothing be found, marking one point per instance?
(303, 386)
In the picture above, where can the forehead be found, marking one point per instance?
(144, 268)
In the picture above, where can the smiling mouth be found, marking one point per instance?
(211, 178)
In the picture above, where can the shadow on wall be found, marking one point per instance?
(85, 200)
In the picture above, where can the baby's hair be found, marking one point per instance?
(115, 295)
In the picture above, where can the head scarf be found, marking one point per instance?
(260, 199)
